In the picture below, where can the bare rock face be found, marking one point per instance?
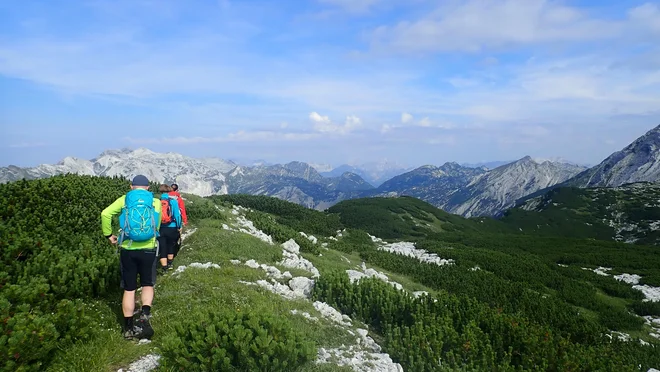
(296, 182)
(637, 162)
(478, 191)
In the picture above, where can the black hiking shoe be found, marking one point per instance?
(143, 323)
(133, 333)
(163, 270)
(170, 266)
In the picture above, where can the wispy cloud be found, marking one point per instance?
(476, 25)
(485, 73)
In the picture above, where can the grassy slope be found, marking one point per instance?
(586, 213)
(407, 218)
(202, 289)
(478, 243)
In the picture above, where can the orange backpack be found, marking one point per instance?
(166, 211)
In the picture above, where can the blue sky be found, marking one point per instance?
(328, 81)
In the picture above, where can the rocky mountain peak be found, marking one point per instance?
(637, 162)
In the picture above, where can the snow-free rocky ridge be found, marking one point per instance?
(472, 192)
(463, 190)
(450, 187)
(637, 162)
(295, 181)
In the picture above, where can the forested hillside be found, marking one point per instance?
(542, 292)
(467, 294)
(629, 213)
(406, 217)
(53, 260)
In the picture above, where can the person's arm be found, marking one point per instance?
(106, 218)
(182, 207)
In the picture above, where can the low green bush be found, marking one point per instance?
(280, 233)
(287, 213)
(644, 308)
(54, 258)
(353, 240)
(203, 208)
(227, 341)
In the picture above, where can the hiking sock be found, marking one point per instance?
(146, 310)
(128, 323)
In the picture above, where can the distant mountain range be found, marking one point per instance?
(374, 172)
(487, 165)
(486, 189)
(477, 191)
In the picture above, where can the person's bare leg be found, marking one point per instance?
(147, 296)
(128, 302)
(170, 257)
(163, 261)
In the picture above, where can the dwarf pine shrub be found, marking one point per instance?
(227, 341)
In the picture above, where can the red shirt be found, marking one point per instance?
(182, 206)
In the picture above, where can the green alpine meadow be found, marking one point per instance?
(567, 280)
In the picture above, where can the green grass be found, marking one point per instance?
(406, 218)
(580, 213)
(332, 260)
(197, 290)
(108, 350)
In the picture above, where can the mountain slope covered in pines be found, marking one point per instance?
(628, 213)
(469, 293)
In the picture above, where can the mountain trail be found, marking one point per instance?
(364, 354)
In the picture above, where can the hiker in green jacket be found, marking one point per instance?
(139, 222)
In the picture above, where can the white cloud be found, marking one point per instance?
(318, 118)
(475, 25)
(552, 88)
(646, 15)
(323, 124)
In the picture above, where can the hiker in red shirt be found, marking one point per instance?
(182, 207)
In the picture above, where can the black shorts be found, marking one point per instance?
(134, 262)
(168, 240)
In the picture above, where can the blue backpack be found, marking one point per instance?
(138, 217)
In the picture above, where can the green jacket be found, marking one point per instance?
(115, 209)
